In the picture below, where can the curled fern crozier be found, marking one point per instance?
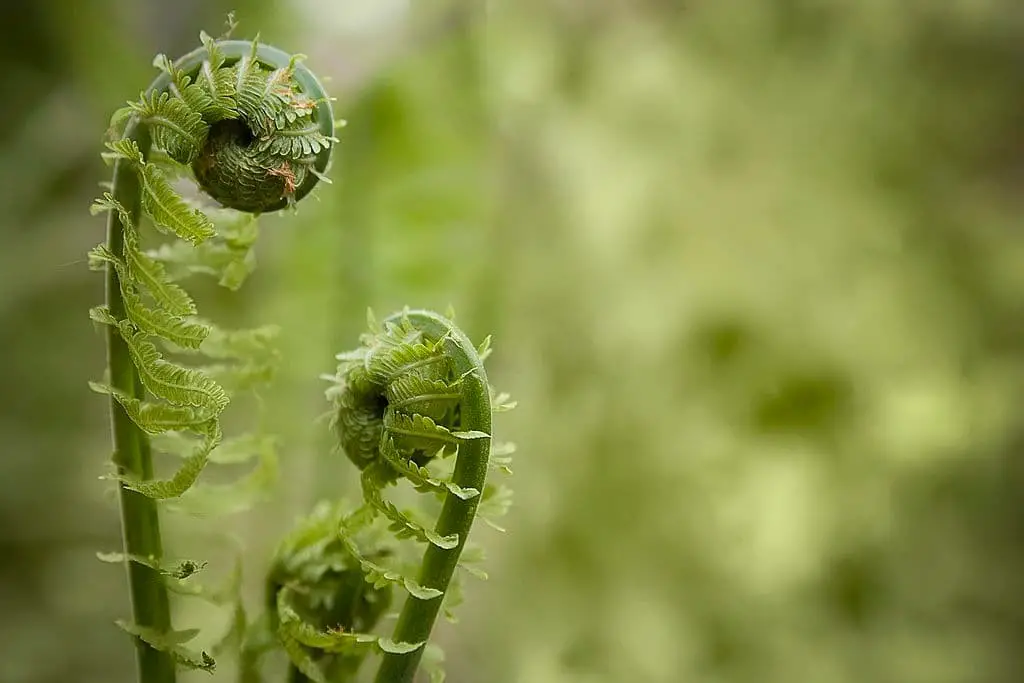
(252, 122)
(411, 396)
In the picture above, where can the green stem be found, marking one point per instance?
(418, 616)
(140, 523)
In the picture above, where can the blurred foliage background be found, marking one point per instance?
(755, 272)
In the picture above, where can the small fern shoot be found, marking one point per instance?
(411, 397)
(252, 127)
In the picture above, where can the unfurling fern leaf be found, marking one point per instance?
(172, 643)
(177, 127)
(412, 395)
(203, 115)
(320, 607)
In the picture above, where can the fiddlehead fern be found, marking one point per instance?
(254, 129)
(413, 395)
(252, 123)
(319, 605)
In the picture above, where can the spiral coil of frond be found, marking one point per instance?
(251, 122)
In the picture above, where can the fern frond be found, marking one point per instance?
(169, 211)
(250, 82)
(205, 101)
(218, 82)
(160, 323)
(153, 279)
(315, 575)
(402, 524)
(414, 393)
(162, 204)
(390, 358)
(181, 571)
(418, 431)
(187, 474)
(172, 642)
(270, 106)
(155, 322)
(215, 57)
(177, 128)
(155, 418)
(299, 138)
(150, 275)
(171, 382)
(420, 476)
(299, 106)
(126, 149)
(377, 575)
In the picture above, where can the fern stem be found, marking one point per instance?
(417, 618)
(140, 523)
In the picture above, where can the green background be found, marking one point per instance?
(754, 271)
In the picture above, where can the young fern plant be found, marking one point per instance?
(253, 128)
(412, 396)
